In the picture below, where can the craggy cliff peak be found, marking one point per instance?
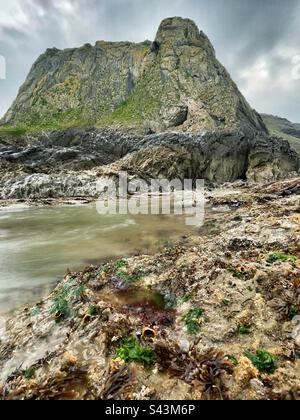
(174, 81)
(178, 32)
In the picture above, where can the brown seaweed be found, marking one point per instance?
(118, 383)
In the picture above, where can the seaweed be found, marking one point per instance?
(93, 310)
(236, 273)
(184, 299)
(192, 320)
(203, 371)
(120, 264)
(232, 359)
(170, 304)
(287, 309)
(118, 381)
(132, 351)
(36, 310)
(263, 361)
(29, 373)
(244, 329)
(128, 278)
(293, 311)
(71, 386)
(212, 367)
(71, 290)
(279, 256)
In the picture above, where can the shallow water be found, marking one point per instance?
(38, 246)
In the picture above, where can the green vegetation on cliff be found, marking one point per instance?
(174, 81)
(285, 129)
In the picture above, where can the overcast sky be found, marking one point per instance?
(255, 39)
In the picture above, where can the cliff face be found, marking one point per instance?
(166, 108)
(284, 128)
(175, 81)
(68, 163)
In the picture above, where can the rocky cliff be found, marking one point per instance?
(175, 81)
(67, 163)
(165, 108)
(284, 128)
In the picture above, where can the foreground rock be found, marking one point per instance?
(192, 317)
(68, 163)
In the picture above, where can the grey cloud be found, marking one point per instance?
(242, 32)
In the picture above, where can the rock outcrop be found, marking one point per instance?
(284, 128)
(67, 163)
(166, 108)
(176, 81)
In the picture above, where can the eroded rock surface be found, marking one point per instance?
(68, 163)
(228, 291)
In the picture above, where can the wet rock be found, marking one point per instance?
(55, 167)
(184, 345)
(258, 386)
(232, 289)
(239, 244)
(296, 330)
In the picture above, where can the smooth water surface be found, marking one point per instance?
(38, 246)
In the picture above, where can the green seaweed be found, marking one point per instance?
(192, 320)
(184, 299)
(263, 361)
(93, 310)
(132, 351)
(63, 299)
(128, 278)
(170, 304)
(29, 373)
(36, 310)
(232, 359)
(293, 311)
(236, 273)
(120, 264)
(244, 329)
(279, 256)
